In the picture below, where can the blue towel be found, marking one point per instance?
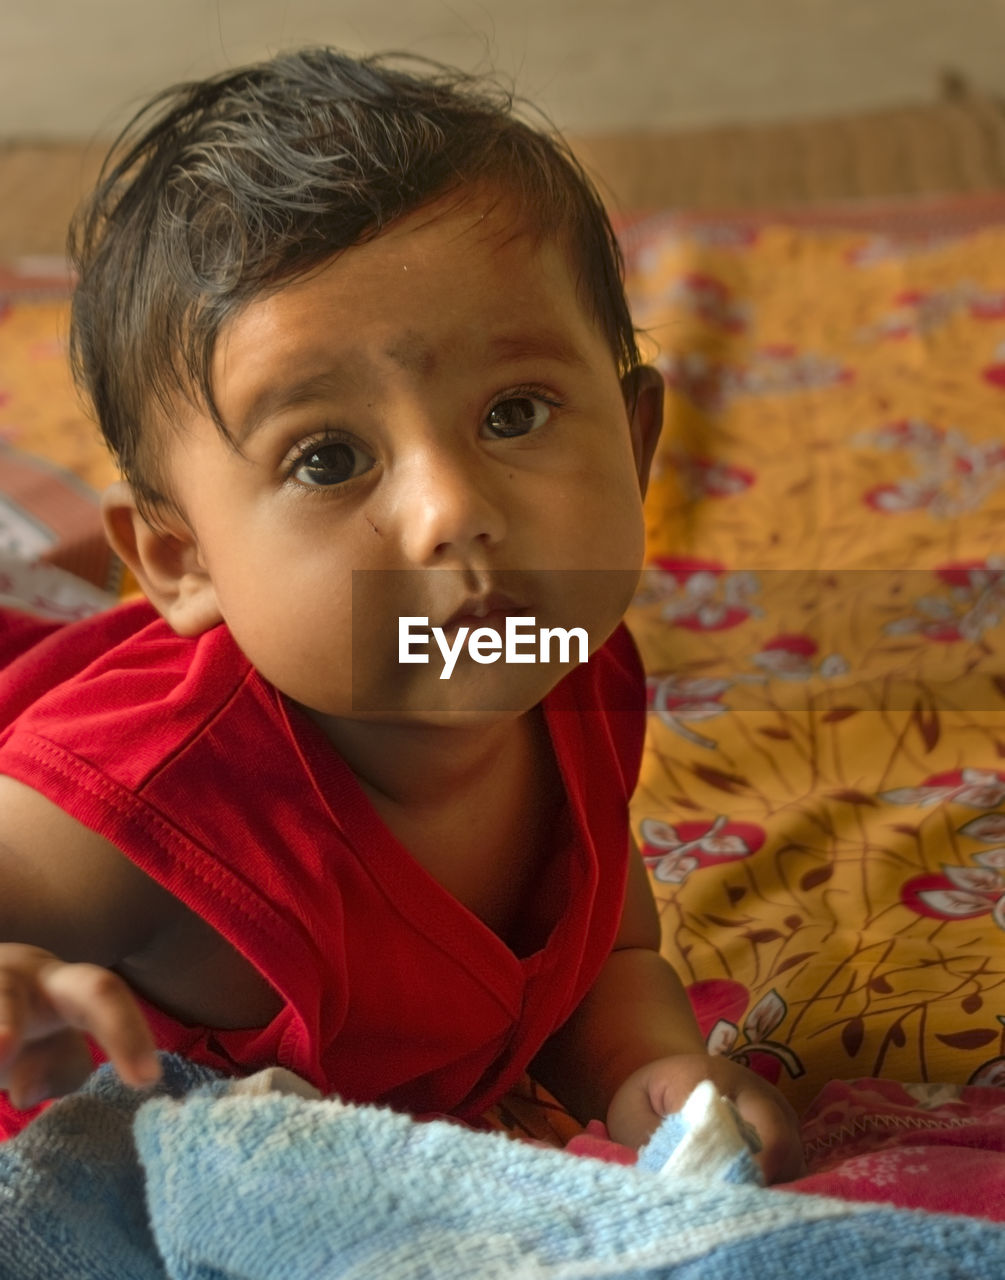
(208, 1181)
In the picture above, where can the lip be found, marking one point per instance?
(478, 610)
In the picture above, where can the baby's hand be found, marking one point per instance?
(45, 1007)
(663, 1087)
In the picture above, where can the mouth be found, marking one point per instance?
(490, 610)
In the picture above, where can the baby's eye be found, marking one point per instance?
(331, 463)
(517, 416)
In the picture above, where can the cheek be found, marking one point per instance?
(282, 602)
(603, 505)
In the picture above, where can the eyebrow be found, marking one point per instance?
(277, 396)
(545, 345)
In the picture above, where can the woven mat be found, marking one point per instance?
(953, 145)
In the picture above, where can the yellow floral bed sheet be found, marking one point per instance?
(822, 803)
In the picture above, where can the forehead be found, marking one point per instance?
(454, 276)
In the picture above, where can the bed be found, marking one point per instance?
(822, 800)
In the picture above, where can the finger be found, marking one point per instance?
(99, 1002)
(48, 1068)
(781, 1156)
(670, 1089)
(13, 1015)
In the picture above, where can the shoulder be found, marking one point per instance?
(37, 655)
(66, 691)
(616, 684)
(618, 664)
(119, 692)
(92, 714)
(608, 698)
(613, 680)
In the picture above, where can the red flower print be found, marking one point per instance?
(700, 595)
(673, 852)
(917, 312)
(719, 1005)
(708, 477)
(778, 370)
(952, 473)
(975, 788)
(973, 602)
(791, 657)
(961, 893)
(712, 301)
(882, 248)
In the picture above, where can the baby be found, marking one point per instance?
(358, 340)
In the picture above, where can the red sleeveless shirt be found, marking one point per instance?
(179, 753)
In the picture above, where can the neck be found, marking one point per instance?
(414, 765)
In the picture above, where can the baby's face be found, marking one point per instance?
(430, 426)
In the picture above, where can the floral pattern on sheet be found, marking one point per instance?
(949, 475)
(52, 461)
(40, 410)
(824, 640)
(734, 1026)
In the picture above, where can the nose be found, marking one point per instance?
(448, 507)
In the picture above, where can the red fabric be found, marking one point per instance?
(180, 754)
(22, 631)
(935, 1147)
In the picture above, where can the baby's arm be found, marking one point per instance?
(71, 906)
(632, 1052)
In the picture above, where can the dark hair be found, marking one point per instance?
(221, 189)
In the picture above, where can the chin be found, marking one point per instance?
(472, 696)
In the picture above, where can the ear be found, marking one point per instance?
(165, 560)
(643, 392)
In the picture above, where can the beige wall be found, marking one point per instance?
(70, 68)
